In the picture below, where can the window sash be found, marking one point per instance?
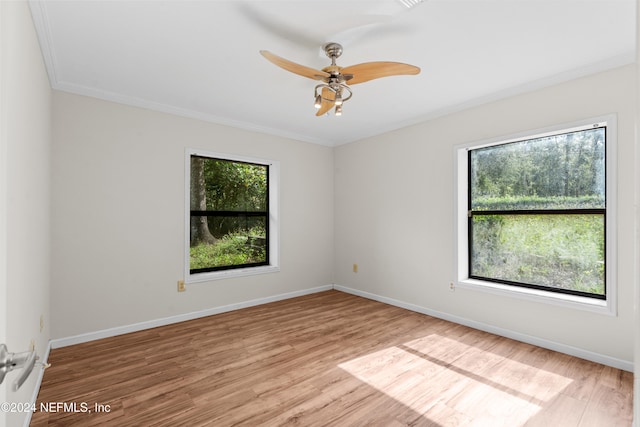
(237, 214)
(470, 248)
(471, 213)
(230, 213)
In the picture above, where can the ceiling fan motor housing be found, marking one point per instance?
(333, 50)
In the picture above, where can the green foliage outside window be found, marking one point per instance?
(538, 212)
(229, 214)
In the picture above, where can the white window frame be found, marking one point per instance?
(461, 252)
(274, 219)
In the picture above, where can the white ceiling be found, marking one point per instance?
(201, 58)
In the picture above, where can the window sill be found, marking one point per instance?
(228, 274)
(535, 295)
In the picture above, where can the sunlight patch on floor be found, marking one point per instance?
(434, 372)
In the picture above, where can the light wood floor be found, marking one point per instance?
(328, 359)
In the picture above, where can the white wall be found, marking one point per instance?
(394, 213)
(25, 102)
(118, 215)
(636, 178)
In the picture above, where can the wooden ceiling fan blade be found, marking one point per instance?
(328, 101)
(298, 69)
(375, 70)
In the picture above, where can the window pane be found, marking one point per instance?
(565, 171)
(557, 251)
(224, 185)
(244, 243)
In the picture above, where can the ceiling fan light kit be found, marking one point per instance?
(335, 90)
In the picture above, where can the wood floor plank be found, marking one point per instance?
(328, 359)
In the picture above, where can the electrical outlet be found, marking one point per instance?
(355, 268)
(452, 287)
(181, 287)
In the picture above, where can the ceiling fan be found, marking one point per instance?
(335, 90)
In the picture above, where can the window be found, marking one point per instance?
(232, 216)
(537, 211)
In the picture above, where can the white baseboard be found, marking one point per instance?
(540, 342)
(120, 330)
(551, 345)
